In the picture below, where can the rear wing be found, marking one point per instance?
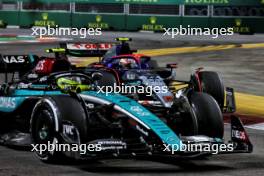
(17, 63)
(86, 49)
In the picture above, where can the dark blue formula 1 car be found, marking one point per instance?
(129, 67)
(57, 106)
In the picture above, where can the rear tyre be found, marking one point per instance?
(108, 79)
(208, 114)
(212, 84)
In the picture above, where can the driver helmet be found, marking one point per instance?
(126, 62)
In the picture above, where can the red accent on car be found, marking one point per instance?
(44, 66)
(98, 65)
(168, 98)
(197, 75)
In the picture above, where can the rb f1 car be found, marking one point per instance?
(127, 67)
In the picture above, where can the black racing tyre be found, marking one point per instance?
(212, 84)
(153, 64)
(43, 130)
(208, 114)
(108, 79)
(45, 125)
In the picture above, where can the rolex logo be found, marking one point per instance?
(153, 20)
(45, 16)
(238, 22)
(98, 18)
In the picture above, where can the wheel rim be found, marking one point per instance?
(43, 131)
(44, 127)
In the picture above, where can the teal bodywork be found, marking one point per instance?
(152, 121)
(10, 104)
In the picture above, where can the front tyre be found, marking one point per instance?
(43, 130)
(51, 117)
(208, 114)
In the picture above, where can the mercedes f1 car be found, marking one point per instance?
(60, 105)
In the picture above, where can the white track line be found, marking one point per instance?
(258, 126)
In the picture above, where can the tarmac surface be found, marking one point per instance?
(240, 68)
(23, 163)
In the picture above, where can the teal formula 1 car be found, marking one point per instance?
(64, 107)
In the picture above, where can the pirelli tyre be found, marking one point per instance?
(212, 84)
(46, 124)
(208, 114)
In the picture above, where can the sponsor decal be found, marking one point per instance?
(89, 46)
(206, 1)
(14, 59)
(98, 23)
(112, 144)
(7, 102)
(68, 129)
(41, 65)
(240, 27)
(44, 21)
(90, 106)
(139, 111)
(153, 25)
(239, 134)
